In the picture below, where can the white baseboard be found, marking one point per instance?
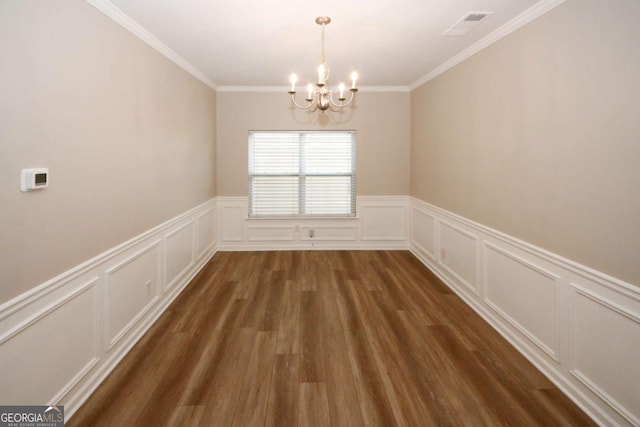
(580, 327)
(382, 222)
(60, 340)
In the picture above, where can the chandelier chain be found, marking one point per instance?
(324, 58)
(323, 55)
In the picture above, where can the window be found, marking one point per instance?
(302, 174)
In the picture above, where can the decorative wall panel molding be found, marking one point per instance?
(52, 333)
(423, 232)
(206, 237)
(85, 320)
(580, 327)
(605, 342)
(180, 252)
(382, 222)
(271, 233)
(329, 233)
(131, 289)
(511, 284)
(383, 219)
(458, 254)
(233, 215)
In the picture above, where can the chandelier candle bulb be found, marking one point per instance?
(341, 87)
(320, 75)
(354, 77)
(310, 89)
(293, 80)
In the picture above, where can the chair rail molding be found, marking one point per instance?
(382, 222)
(579, 326)
(104, 306)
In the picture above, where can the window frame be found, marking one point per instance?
(302, 176)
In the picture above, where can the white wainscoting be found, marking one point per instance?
(180, 252)
(511, 284)
(382, 222)
(40, 359)
(61, 339)
(577, 325)
(458, 254)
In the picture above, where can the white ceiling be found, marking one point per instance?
(260, 43)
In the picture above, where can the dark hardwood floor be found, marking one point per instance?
(310, 338)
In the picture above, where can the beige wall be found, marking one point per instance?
(539, 136)
(382, 143)
(128, 137)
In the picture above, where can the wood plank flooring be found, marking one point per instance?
(331, 338)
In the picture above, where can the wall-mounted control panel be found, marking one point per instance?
(34, 179)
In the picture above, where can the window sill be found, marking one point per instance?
(301, 218)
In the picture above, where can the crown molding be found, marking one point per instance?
(125, 21)
(384, 89)
(519, 21)
(136, 29)
(284, 89)
(265, 89)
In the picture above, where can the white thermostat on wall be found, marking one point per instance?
(34, 179)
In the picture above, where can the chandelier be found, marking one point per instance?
(323, 98)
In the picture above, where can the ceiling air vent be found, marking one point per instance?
(467, 23)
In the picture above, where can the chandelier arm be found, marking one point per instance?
(343, 104)
(302, 107)
(333, 103)
(353, 96)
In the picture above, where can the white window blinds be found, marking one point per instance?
(302, 173)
